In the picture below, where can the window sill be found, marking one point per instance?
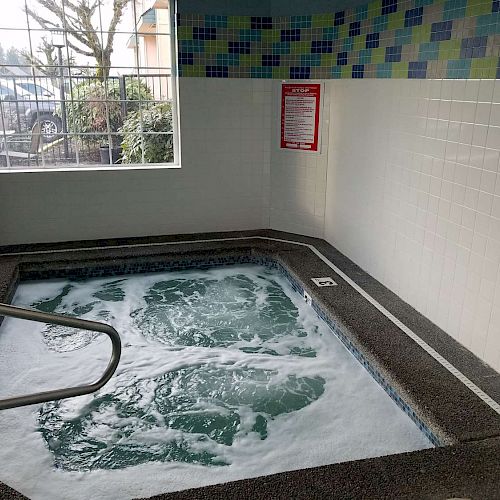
(98, 168)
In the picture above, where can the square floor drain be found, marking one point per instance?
(324, 281)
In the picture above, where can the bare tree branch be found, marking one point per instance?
(78, 19)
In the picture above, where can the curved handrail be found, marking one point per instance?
(58, 319)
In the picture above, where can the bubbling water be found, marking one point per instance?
(225, 372)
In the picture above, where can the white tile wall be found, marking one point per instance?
(298, 179)
(413, 196)
(225, 133)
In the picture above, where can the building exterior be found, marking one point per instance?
(152, 47)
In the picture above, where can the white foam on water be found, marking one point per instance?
(353, 418)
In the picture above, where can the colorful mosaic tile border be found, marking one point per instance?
(161, 265)
(382, 39)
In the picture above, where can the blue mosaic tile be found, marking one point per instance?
(473, 47)
(355, 28)
(413, 17)
(217, 72)
(417, 69)
(290, 35)
(393, 54)
(341, 58)
(441, 31)
(271, 60)
(339, 18)
(300, 73)
(321, 47)
(372, 40)
(389, 6)
(186, 58)
(261, 23)
(203, 33)
(358, 70)
(239, 47)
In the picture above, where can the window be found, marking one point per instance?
(87, 83)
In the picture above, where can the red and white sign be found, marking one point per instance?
(300, 116)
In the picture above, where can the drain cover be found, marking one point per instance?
(324, 281)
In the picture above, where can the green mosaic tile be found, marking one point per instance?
(400, 70)
(477, 8)
(216, 47)
(248, 60)
(281, 73)
(421, 34)
(396, 20)
(485, 67)
(343, 31)
(359, 43)
(300, 47)
(271, 36)
(449, 49)
(185, 33)
(374, 8)
(322, 21)
(378, 55)
(328, 59)
(346, 71)
(241, 22)
(193, 71)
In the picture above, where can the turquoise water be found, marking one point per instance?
(225, 374)
(252, 314)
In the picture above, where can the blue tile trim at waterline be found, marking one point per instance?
(218, 261)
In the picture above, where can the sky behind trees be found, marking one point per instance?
(16, 36)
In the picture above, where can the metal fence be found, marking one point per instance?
(74, 119)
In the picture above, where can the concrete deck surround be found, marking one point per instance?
(468, 465)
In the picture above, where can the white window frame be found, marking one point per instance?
(176, 164)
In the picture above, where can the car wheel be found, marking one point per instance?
(50, 128)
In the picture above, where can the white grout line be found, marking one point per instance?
(426, 347)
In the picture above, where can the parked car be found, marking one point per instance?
(24, 103)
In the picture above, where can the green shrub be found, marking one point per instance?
(157, 148)
(86, 113)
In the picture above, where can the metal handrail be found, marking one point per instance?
(58, 319)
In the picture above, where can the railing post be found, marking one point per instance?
(123, 95)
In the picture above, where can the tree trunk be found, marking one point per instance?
(103, 65)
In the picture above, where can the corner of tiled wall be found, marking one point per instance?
(298, 179)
